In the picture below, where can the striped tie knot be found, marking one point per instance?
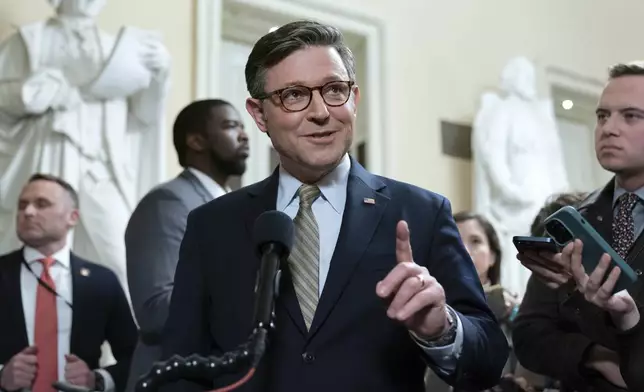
(308, 194)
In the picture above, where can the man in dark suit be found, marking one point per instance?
(212, 146)
(361, 307)
(566, 308)
(58, 309)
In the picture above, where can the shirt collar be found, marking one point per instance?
(620, 191)
(211, 185)
(31, 255)
(333, 186)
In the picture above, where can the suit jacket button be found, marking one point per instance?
(308, 358)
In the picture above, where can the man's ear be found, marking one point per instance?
(356, 99)
(195, 141)
(256, 111)
(74, 217)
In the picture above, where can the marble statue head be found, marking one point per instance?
(78, 8)
(519, 78)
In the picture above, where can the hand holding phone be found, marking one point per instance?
(541, 256)
(600, 289)
(583, 244)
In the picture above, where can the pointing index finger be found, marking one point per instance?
(403, 244)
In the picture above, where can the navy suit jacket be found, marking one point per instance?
(352, 344)
(100, 312)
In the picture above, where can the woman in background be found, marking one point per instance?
(482, 243)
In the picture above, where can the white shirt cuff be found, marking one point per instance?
(109, 381)
(445, 357)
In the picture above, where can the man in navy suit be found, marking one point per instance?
(362, 306)
(57, 309)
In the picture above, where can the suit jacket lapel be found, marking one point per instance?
(359, 222)
(600, 213)
(81, 301)
(14, 324)
(600, 216)
(263, 197)
(363, 211)
(197, 185)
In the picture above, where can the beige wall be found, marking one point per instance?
(174, 20)
(441, 56)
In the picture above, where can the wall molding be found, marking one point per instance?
(210, 33)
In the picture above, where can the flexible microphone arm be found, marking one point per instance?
(246, 356)
(206, 369)
(195, 367)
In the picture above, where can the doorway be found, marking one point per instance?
(575, 115)
(226, 31)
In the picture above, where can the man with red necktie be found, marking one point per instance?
(57, 308)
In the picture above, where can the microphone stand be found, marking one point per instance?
(195, 367)
(245, 357)
(205, 369)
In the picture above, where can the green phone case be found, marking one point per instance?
(595, 246)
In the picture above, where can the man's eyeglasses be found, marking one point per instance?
(298, 98)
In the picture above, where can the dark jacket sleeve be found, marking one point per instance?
(544, 342)
(631, 356)
(485, 348)
(152, 242)
(121, 333)
(187, 330)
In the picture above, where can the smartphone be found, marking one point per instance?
(567, 224)
(535, 244)
(496, 300)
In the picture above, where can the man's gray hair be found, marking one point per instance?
(633, 68)
(275, 46)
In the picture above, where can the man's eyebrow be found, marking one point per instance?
(631, 108)
(602, 110)
(327, 79)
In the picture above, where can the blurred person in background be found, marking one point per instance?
(56, 308)
(211, 146)
(483, 245)
(546, 319)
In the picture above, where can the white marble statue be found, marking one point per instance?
(87, 106)
(518, 161)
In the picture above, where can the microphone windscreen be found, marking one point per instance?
(274, 227)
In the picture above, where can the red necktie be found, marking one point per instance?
(46, 332)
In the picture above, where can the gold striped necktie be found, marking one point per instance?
(305, 256)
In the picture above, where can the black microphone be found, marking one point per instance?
(273, 236)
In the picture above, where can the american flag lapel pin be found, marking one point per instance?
(368, 200)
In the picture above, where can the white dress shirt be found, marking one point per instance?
(328, 210)
(211, 185)
(61, 274)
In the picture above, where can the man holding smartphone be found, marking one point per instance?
(564, 308)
